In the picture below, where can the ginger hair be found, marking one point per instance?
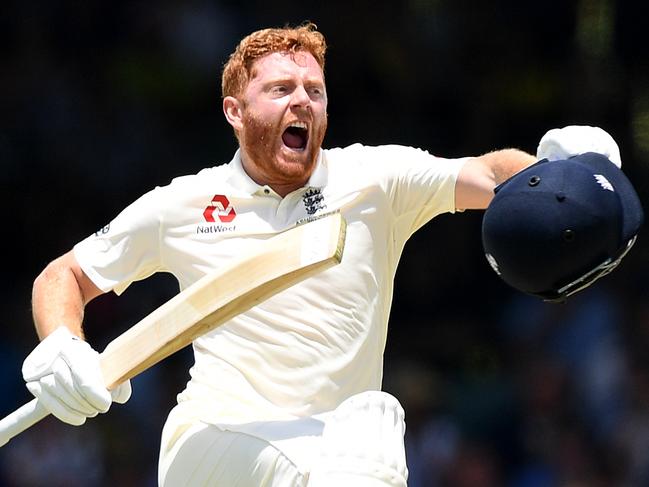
(238, 70)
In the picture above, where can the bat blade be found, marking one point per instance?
(274, 265)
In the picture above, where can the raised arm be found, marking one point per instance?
(480, 175)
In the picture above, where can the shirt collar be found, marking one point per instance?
(319, 176)
(240, 180)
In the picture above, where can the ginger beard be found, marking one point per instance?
(276, 162)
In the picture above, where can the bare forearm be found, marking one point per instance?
(506, 162)
(57, 300)
(480, 175)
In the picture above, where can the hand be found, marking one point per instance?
(573, 140)
(63, 372)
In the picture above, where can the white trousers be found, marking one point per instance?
(206, 456)
(361, 445)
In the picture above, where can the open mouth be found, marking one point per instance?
(296, 136)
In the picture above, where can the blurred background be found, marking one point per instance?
(101, 101)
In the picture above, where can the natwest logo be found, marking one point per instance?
(221, 207)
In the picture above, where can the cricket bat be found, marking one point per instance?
(276, 264)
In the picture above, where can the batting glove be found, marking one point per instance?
(573, 140)
(63, 372)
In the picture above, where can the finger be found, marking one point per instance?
(85, 391)
(122, 393)
(57, 385)
(54, 406)
(83, 363)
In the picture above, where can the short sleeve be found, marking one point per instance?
(125, 250)
(419, 185)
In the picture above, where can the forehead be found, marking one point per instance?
(279, 64)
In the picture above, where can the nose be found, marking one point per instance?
(300, 97)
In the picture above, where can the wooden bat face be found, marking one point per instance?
(276, 264)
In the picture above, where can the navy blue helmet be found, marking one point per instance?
(555, 227)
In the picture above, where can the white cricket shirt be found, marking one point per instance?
(310, 347)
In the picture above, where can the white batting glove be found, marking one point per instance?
(573, 140)
(63, 372)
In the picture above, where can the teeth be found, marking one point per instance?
(299, 125)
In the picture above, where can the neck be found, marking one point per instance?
(281, 187)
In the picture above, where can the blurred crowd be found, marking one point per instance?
(102, 101)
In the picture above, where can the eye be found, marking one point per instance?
(316, 92)
(279, 90)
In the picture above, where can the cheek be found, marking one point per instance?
(321, 121)
(264, 109)
(320, 113)
(271, 110)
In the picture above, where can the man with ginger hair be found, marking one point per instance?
(289, 392)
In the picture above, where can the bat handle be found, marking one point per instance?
(21, 419)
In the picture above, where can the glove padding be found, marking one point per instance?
(63, 372)
(573, 140)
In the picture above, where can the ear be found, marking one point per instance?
(233, 111)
